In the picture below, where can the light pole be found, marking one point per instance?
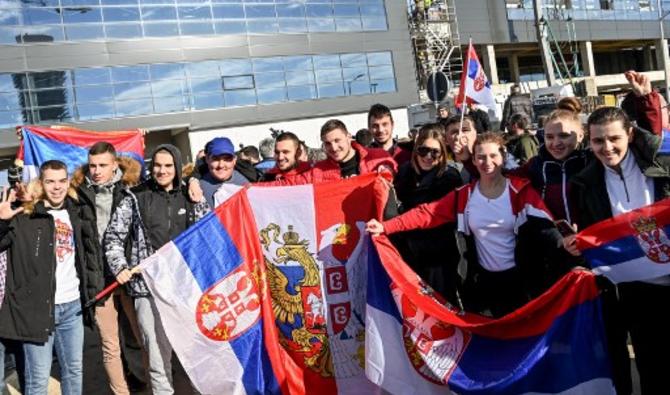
(664, 48)
(355, 78)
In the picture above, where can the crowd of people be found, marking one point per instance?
(474, 214)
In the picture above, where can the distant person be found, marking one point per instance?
(364, 137)
(380, 123)
(516, 103)
(266, 147)
(520, 142)
(442, 112)
(250, 154)
(220, 158)
(480, 118)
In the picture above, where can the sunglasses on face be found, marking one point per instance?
(423, 151)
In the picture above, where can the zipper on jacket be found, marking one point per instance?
(564, 190)
(52, 292)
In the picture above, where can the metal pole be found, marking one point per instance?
(544, 45)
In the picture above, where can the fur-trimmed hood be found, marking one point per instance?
(130, 168)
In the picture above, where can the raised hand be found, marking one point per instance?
(639, 82)
(6, 211)
(374, 227)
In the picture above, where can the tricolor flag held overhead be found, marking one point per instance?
(630, 247)
(417, 345)
(286, 316)
(475, 87)
(70, 145)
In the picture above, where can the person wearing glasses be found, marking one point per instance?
(427, 177)
(502, 227)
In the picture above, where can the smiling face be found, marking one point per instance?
(221, 166)
(163, 170)
(101, 167)
(337, 144)
(562, 137)
(285, 154)
(609, 142)
(428, 154)
(455, 133)
(55, 184)
(488, 159)
(381, 128)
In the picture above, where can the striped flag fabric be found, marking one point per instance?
(475, 86)
(70, 145)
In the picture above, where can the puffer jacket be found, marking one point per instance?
(146, 218)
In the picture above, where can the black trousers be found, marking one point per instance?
(497, 293)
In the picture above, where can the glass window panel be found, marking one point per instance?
(379, 58)
(381, 72)
(208, 101)
(296, 93)
(347, 10)
(126, 30)
(10, 119)
(373, 11)
(319, 10)
(134, 107)
(42, 33)
(230, 27)
(84, 32)
(348, 24)
(121, 14)
(82, 15)
(167, 71)
(50, 97)
(269, 80)
(119, 2)
(161, 13)
(132, 90)
(206, 85)
(164, 88)
(195, 12)
(58, 113)
(202, 69)
(326, 62)
(272, 95)
(9, 101)
(95, 110)
(37, 16)
(228, 11)
(79, 2)
(355, 73)
(238, 82)
(268, 64)
(197, 28)
(321, 24)
(262, 26)
(161, 29)
(374, 23)
(381, 86)
(358, 87)
(299, 78)
(49, 79)
(293, 63)
(294, 10)
(157, 2)
(91, 76)
(353, 59)
(130, 73)
(331, 90)
(9, 35)
(329, 75)
(260, 11)
(292, 25)
(235, 66)
(93, 93)
(242, 97)
(170, 104)
(10, 16)
(6, 83)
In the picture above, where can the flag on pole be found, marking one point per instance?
(630, 247)
(415, 344)
(70, 145)
(475, 87)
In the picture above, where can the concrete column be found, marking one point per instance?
(662, 59)
(647, 59)
(490, 65)
(588, 65)
(514, 68)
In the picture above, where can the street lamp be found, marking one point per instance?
(355, 78)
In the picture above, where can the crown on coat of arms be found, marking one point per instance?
(644, 224)
(290, 237)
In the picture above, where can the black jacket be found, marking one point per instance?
(27, 313)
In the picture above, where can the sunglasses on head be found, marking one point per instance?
(423, 151)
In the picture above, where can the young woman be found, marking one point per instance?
(425, 178)
(632, 170)
(503, 227)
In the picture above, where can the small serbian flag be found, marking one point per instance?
(416, 344)
(630, 247)
(475, 87)
(70, 145)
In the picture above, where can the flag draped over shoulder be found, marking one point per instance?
(70, 145)
(475, 86)
(286, 315)
(417, 345)
(630, 247)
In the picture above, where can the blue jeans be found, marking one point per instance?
(68, 340)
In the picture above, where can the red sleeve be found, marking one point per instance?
(648, 108)
(522, 171)
(424, 216)
(305, 177)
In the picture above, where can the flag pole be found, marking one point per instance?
(109, 289)
(466, 61)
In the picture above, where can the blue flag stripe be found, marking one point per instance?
(615, 252)
(213, 259)
(258, 377)
(379, 285)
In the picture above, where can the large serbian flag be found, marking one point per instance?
(70, 145)
(630, 247)
(475, 87)
(415, 344)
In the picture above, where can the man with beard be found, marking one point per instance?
(287, 152)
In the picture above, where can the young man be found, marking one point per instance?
(49, 278)
(520, 143)
(220, 158)
(149, 216)
(287, 153)
(380, 123)
(100, 186)
(266, 147)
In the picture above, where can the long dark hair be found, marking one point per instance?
(431, 131)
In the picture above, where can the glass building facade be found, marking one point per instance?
(30, 21)
(623, 10)
(84, 94)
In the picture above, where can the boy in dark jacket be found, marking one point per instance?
(49, 277)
